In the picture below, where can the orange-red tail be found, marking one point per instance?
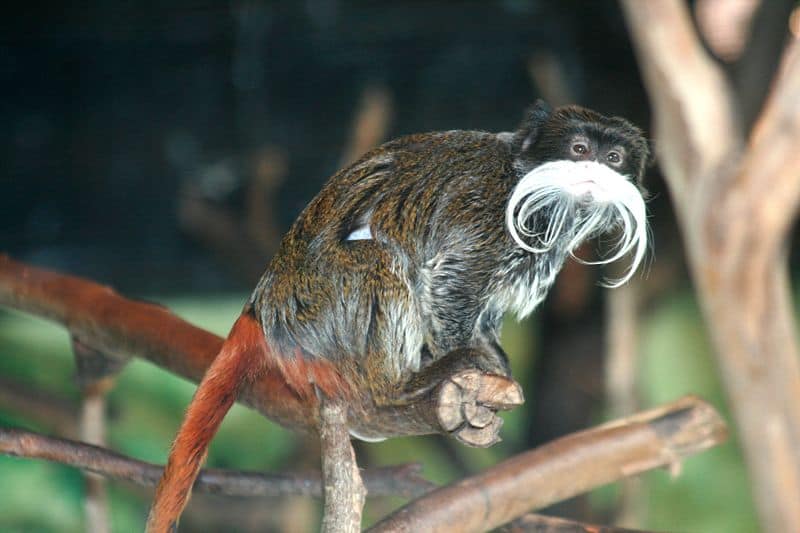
(241, 359)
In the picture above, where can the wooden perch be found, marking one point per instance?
(101, 319)
(564, 468)
(402, 480)
(344, 490)
(736, 197)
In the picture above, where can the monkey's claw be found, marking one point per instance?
(468, 402)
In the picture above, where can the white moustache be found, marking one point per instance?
(582, 199)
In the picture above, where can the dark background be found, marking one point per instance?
(108, 108)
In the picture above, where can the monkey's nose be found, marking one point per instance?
(581, 189)
(588, 191)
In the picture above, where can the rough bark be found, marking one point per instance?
(736, 201)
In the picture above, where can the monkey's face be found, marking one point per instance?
(580, 172)
(578, 134)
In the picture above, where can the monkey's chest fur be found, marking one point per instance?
(401, 258)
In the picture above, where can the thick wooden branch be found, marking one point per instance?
(101, 319)
(771, 167)
(402, 480)
(752, 73)
(691, 99)
(564, 468)
(736, 203)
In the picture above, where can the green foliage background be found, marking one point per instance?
(710, 494)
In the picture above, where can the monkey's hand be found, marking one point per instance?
(467, 404)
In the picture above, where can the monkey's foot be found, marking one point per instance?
(468, 402)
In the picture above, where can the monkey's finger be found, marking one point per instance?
(499, 392)
(481, 437)
(449, 406)
(469, 383)
(478, 415)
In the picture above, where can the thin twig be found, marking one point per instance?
(536, 523)
(96, 376)
(564, 468)
(92, 431)
(402, 480)
(344, 490)
(49, 410)
(622, 343)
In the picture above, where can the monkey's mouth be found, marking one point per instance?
(560, 204)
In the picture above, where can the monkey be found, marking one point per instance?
(402, 267)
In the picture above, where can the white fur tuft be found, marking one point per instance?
(362, 233)
(583, 199)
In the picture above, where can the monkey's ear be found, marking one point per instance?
(535, 117)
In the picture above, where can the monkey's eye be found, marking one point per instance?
(579, 148)
(613, 157)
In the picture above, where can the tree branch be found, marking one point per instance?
(564, 468)
(54, 412)
(98, 317)
(735, 212)
(621, 372)
(753, 71)
(343, 489)
(687, 121)
(101, 320)
(402, 480)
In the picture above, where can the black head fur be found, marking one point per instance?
(545, 135)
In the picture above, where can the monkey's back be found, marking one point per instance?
(346, 282)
